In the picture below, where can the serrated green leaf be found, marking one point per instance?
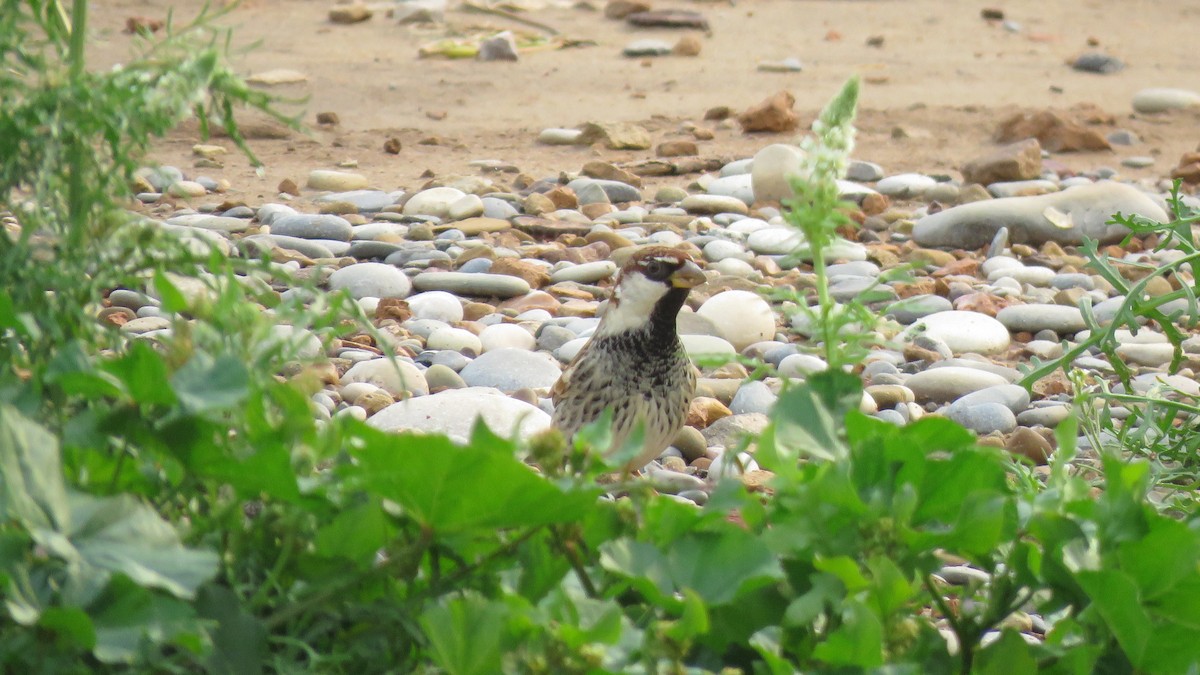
(448, 487)
(465, 634)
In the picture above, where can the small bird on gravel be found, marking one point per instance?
(635, 363)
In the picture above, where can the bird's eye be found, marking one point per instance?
(657, 269)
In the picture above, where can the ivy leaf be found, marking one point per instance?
(33, 493)
(143, 372)
(1115, 596)
(1007, 655)
(126, 614)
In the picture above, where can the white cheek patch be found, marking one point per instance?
(636, 297)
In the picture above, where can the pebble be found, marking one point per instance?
(371, 280)
(1158, 100)
(455, 339)
(437, 306)
(753, 397)
(509, 369)
(480, 285)
(648, 47)
(313, 226)
(966, 331)
(395, 376)
(905, 185)
(560, 136)
(984, 418)
(507, 336)
(454, 411)
(586, 273)
(1062, 319)
(916, 307)
(714, 204)
(742, 317)
(864, 172)
(435, 202)
(1064, 217)
(336, 181)
(950, 383)
(365, 201)
(771, 170)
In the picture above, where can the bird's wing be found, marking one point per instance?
(559, 390)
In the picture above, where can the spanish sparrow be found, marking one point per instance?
(634, 362)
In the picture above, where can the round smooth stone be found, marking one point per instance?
(366, 201)
(462, 283)
(1161, 99)
(437, 306)
(560, 136)
(585, 273)
(433, 202)
(711, 204)
(772, 171)
(916, 307)
(1034, 275)
(396, 377)
(1046, 416)
(722, 249)
(966, 331)
(1012, 396)
(551, 337)
(617, 191)
(734, 267)
(453, 412)
(567, 352)
(336, 181)
(694, 345)
(864, 172)
(753, 397)
(1147, 354)
(455, 339)
(800, 366)
(984, 418)
(950, 383)
(507, 336)
(313, 226)
(371, 279)
(742, 317)
(509, 369)
(439, 376)
(290, 340)
(774, 240)
(1062, 319)
(737, 186)
(904, 185)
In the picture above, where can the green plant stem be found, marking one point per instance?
(77, 151)
(571, 550)
(965, 650)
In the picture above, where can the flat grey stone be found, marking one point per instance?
(481, 285)
(454, 412)
(1061, 319)
(313, 226)
(1065, 217)
(512, 369)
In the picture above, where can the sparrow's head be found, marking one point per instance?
(650, 290)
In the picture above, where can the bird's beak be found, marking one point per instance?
(688, 276)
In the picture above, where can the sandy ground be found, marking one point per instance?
(943, 75)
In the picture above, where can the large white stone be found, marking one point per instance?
(371, 280)
(772, 170)
(511, 369)
(433, 202)
(506, 336)
(742, 317)
(436, 305)
(965, 332)
(453, 412)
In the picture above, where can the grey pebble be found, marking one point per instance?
(511, 369)
(313, 226)
(984, 418)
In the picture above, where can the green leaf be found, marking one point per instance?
(1163, 557)
(205, 384)
(693, 622)
(71, 624)
(356, 534)
(239, 640)
(719, 565)
(8, 312)
(33, 493)
(845, 570)
(1116, 598)
(807, 421)
(173, 300)
(143, 372)
(127, 614)
(1010, 654)
(449, 487)
(858, 641)
(121, 535)
(465, 634)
